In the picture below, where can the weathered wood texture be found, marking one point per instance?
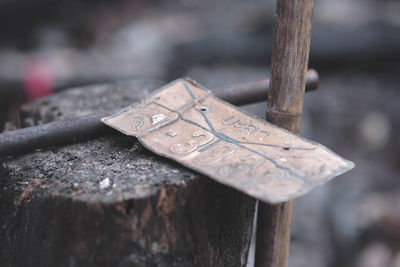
(55, 210)
(292, 35)
(291, 46)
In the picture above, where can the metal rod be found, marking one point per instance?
(53, 134)
(68, 131)
(291, 46)
(253, 92)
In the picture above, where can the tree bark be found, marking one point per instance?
(110, 202)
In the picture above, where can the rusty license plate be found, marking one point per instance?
(185, 122)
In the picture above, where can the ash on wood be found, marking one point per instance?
(110, 202)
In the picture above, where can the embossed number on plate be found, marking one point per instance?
(185, 122)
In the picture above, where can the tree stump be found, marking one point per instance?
(110, 202)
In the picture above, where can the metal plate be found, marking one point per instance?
(186, 123)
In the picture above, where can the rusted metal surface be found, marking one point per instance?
(186, 123)
(66, 131)
(253, 92)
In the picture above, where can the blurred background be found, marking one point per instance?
(354, 220)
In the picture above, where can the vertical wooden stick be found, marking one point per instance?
(292, 34)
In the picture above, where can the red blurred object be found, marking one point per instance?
(37, 80)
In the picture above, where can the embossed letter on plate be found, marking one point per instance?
(185, 122)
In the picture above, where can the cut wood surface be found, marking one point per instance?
(110, 202)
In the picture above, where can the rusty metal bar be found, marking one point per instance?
(253, 92)
(53, 134)
(67, 131)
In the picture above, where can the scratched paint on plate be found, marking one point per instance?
(185, 122)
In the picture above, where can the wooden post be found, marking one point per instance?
(292, 34)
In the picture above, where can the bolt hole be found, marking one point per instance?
(204, 109)
(286, 148)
